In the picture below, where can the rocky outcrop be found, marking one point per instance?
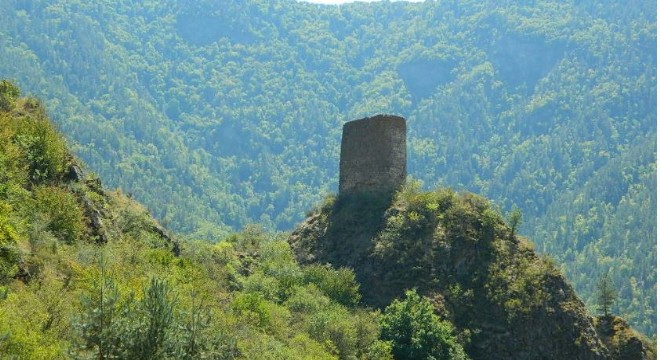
(508, 302)
(505, 301)
(624, 343)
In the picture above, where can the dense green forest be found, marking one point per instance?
(87, 273)
(220, 114)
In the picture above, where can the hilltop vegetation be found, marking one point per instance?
(218, 114)
(505, 301)
(87, 273)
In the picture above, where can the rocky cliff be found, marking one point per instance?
(505, 300)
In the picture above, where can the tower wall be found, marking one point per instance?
(373, 155)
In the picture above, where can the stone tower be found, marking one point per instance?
(373, 155)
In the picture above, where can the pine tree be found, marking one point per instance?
(606, 294)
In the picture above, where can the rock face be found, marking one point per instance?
(455, 249)
(624, 342)
(373, 155)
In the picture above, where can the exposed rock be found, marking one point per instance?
(74, 173)
(457, 250)
(624, 343)
(95, 217)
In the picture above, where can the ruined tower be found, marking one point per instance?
(373, 155)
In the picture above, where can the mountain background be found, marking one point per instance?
(220, 114)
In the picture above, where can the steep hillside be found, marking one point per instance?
(506, 301)
(87, 273)
(46, 198)
(216, 114)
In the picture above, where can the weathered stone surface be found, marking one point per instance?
(373, 155)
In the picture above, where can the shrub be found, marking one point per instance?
(335, 328)
(8, 95)
(101, 326)
(9, 256)
(44, 149)
(416, 332)
(63, 214)
(339, 285)
(153, 334)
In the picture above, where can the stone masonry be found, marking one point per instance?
(373, 155)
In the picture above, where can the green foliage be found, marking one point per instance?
(253, 308)
(624, 342)
(101, 326)
(22, 333)
(203, 116)
(9, 92)
(575, 143)
(245, 297)
(337, 331)
(12, 164)
(338, 285)
(197, 338)
(155, 327)
(515, 217)
(606, 294)
(457, 250)
(9, 255)
(31, 149)
(416, 332)
(63, 215)
(520, 284)
(36, 318)
(43, 148)
(156, 319)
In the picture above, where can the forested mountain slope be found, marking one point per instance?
(216, 114)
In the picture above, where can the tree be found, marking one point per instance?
(515, 218)
(8, 94)
(606, 294)
(416, 332)
(99, 326)
(339, 285)
(156, 319)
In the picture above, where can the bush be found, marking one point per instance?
(339, 285)
(416, 332)
(64, 216)
(335, 328)
(101, 327)
(155, 321)
(44, 149)
(8, 95)
(307, 300)
(253, 308)
(9, 255)
(23, 334)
